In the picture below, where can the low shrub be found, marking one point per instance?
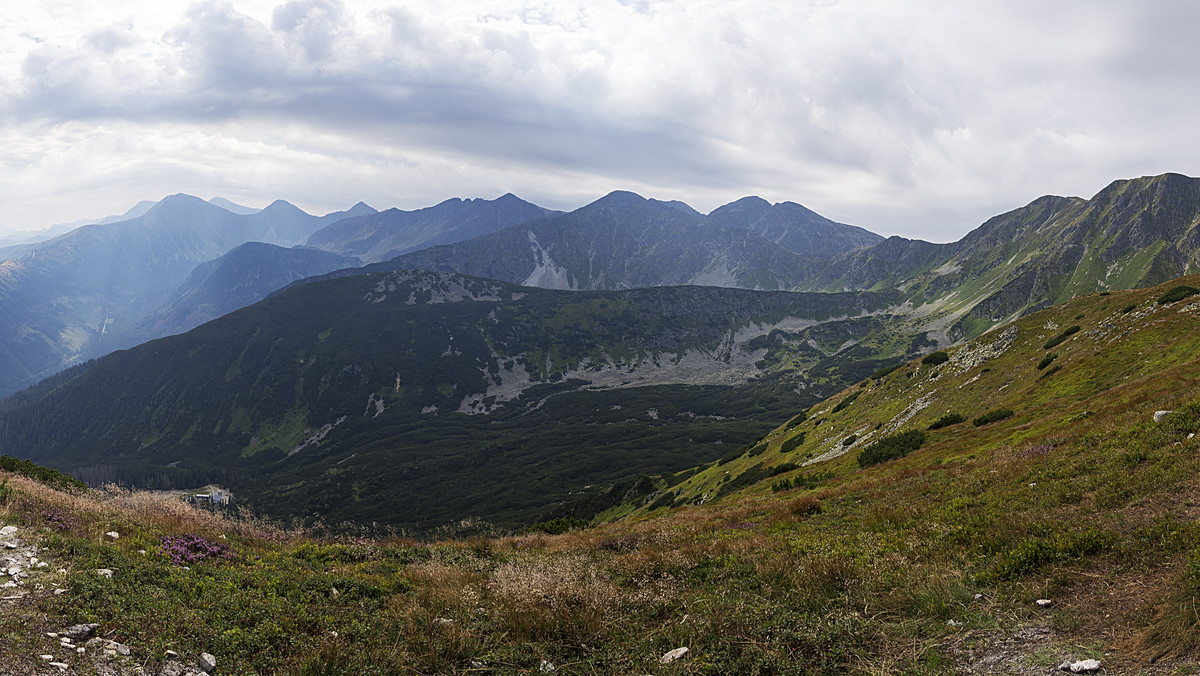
(783, 467)
(1176, 294)
(1046, 360)
(799, 418)
(886, 371)
(843, 404)
(189, 549)
(992, 416)
(45, 475)
(939, 357)
(792, 444)
(850, 439)
(556, 526)
(1067, 333)
(1050, 371)
(1128, 308)
(946, 421)
(891, 447)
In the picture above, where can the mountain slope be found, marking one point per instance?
(792, 226)
(387, 234)
(242, 277)
(1134, 233)
(1064, 533)
(382, 382)
(62, 299)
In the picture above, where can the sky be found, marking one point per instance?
(918, 118)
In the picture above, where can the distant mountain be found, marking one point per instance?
(15, 244)
(626, 241)
(1134, 233)
(231, 206)
(63, 299)
(244, 276)
(793, 227)
(384, 235)
(414, 398)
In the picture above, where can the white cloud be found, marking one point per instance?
(918, 118)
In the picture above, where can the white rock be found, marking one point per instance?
(207, 662)
(48, 658)
(546, 667)
(62, 666)
(81, 650)
(1080, 667)
(673, 655)
(1044, 603)
(8, 531)
(1159, 415)
(104, 572)
(113, 534)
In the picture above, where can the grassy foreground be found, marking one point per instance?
(927, 563)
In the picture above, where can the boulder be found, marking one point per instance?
(207, 662)
(1080, 667)
(79, 632)
(673, 655)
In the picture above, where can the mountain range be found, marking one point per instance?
(531, 359)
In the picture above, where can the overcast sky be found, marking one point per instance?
(918, 118)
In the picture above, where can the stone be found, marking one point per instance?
(673, 655)
(62, 666)
(1080, 667)
(1044, 603)
(172, 668)
(104, 572)
(443, 622)
(122, 649)
(48, 658)
(112, 534)
(79, 632)
(1159, 415)
(546, 667)
(207, 662)
(8, 531)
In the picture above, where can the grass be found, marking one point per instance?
(1079, 497)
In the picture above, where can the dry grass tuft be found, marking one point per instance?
(566, 596)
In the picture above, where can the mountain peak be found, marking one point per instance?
(282, 207)
(177, 202)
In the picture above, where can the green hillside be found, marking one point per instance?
(1032, 466)
(418, 399)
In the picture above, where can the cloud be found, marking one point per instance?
(918, 118)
